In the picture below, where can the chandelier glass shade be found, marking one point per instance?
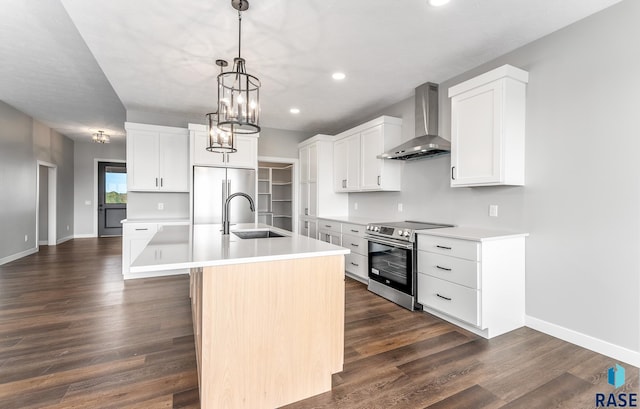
(218, 141)
(101, 137)
(238, 91)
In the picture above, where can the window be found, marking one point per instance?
(115, 185)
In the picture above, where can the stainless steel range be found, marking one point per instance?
(392, 260)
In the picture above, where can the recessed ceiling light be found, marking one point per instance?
(438, 3)
(338, 76)
(294, 110)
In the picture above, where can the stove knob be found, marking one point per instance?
(376, 228)
(407, 234)
(400, 233)
(368, 227)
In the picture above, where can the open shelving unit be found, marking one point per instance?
(275, 194)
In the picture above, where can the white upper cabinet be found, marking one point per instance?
(488, 129)
(357, 167)
(245, 157)
(157, 158)
(317, 196)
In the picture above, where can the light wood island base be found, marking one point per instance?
(269, 333)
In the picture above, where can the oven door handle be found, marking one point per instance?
(408, 246)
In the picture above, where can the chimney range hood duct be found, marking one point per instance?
(427, 143)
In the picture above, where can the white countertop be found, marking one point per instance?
(178, 247)
(160, 221)
(363, 221)
(471, 233)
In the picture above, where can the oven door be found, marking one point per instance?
(391, 263)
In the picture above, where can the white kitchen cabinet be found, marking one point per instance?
(355, 262)
(357, 167)
(245, 157)
(136, 236)
(347, 164)
(330, 231)
(473, 278)
(488, 129)
(157, 158)
(308, 227)
(317, 197)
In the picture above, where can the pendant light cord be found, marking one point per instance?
(239, 32)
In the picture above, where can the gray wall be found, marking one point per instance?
(17, 182)
(23, 141)
(85, 189)
(280, 143)
(581, 201)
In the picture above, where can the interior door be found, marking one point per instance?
(112, 198)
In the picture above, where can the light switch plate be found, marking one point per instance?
(493, 210)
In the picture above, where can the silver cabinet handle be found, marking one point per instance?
(443, 297)
(378, 180)
(355, 245)
(306, 211)
(142, 229)
(355, 231)
(443, 268)
(161, 182)
(156, 182)
(354, 264)
(452, 176)
(443, 247)
(344, 183)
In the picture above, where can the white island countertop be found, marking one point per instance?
(180, 247)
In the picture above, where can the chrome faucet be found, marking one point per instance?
(225, 210)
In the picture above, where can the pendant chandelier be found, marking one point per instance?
(101, 137)
(219, 141)
(238, 92)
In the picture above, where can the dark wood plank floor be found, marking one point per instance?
(74, 335)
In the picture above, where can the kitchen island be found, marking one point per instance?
(268, 313)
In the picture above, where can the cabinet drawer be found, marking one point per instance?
(139, 230)
(329, 225)
(356, 244)
(356, 264)
(452, 299)
(456, 270)
(466, 249)
(353, 229)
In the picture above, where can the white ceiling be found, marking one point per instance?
(69, 65)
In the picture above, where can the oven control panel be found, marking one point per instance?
(391, 232)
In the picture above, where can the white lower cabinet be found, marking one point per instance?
(351, 237)
(473, 278)
(308, 227)
(135, 238)
(356, 262)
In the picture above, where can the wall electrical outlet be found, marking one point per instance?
(67, 227)
(160, 206)
(493, 210)
(87, 202)
(400, 207)
(355, 206)
(26, 238)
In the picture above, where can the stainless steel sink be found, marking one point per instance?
(256, 234)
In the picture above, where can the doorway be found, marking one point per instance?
(46, 214)
(277, 193)
(112, 198)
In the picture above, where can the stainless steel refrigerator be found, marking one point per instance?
(212, 186)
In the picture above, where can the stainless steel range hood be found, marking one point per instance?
(427, 143)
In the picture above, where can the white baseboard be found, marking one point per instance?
(84, 236)
(62, 240)
(16, 256)
(586, 341)
(43, 243)
(150, 274)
